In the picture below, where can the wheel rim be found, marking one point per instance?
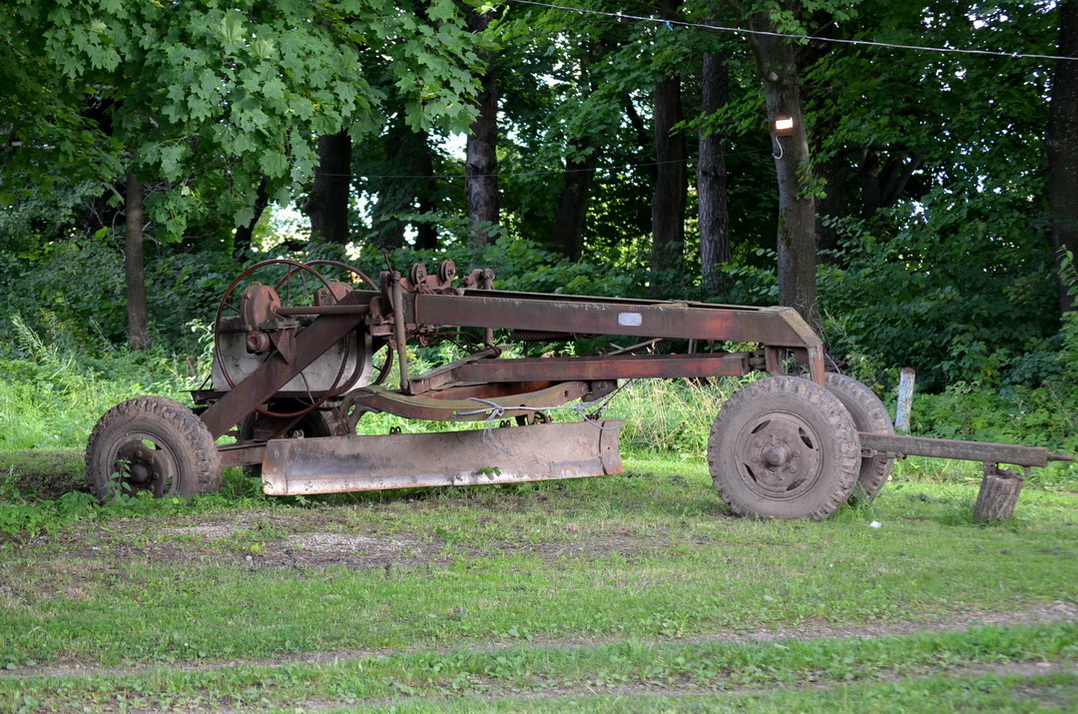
(144, 462)
(778, 455)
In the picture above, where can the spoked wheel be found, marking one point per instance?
(870, 416)
(249, 301)
(294, 284)
(151, 444)
(784, 447)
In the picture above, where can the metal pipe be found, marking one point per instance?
(963, 450)
(323, 310)
(400, 334)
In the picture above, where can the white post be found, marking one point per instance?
(905, 400)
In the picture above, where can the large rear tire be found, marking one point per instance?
(784, 447)
(870, 416)
(151, 444)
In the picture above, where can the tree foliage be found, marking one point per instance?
(919, 181)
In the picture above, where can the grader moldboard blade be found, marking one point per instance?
(294, 371)
(462, 458)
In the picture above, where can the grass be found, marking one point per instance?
(595, 594)
(592, 676)
(635, 592)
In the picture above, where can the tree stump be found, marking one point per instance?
(998, 495)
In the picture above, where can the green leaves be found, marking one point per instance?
(231, 30)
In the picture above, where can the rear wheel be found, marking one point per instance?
(262, 427)
(870, 416)
(151, 444)
(784, 447)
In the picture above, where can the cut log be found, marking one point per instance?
(998, 495)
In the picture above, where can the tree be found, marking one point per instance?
(711, 174)
(1063, 146)
(327, 202)
(776, 62)
(481, 161)
(138, 337)
(224, 107)
(671, 187)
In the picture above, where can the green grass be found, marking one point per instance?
(564, 593)
(592, 676)
(627, 593)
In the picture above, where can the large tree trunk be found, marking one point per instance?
(408, 151)
(327, 204)
(138, 335)
(668, 205)
(568, 229)
(831, 206)
(241, 244)
(1063, 145)
(711, 176)
(796, 240)
(481, 160)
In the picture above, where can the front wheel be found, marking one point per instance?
(151, 444)
(784, 447)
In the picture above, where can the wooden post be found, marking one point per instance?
(998, 495)
(906, 381)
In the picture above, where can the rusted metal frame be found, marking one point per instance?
(463, 408)
(241, 454)
(585, 368)
(770, 326)
(603, 300)
(399, 329)
(337, 309)
(898, 446)
(775, 327)
(275, 372)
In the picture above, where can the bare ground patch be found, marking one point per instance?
(313, 539)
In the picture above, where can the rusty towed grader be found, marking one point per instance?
(295, 368)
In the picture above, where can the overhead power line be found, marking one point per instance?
(814, 38)
(524, 174)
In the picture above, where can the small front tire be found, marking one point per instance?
(151, 444)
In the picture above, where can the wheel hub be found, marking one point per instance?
(143, 467)
(778, 455)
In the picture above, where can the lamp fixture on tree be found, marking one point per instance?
(782, 126)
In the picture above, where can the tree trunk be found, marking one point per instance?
(426, 232)
(241, 244)
(1063, 147)
(831, 206)
(408, 156)
(568, 229)
(796, 240)
(327, 204)
(481, 160)
(668, 205)
(134, 267)
(711, 176)
(998, 495)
